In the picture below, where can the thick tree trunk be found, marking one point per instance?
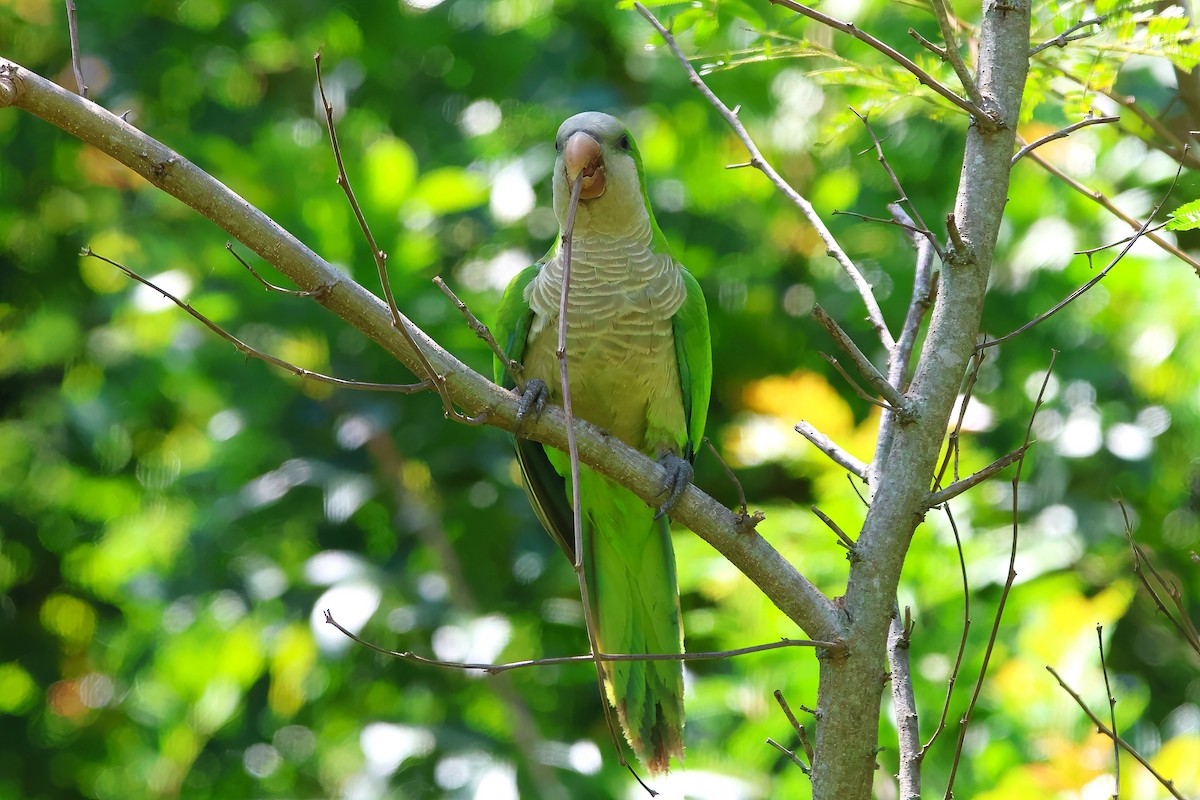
(851, 683)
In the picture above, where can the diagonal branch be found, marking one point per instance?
(401, 388)
(1061, 134)
(879, 383)
(496, 669)
(794, 594)
(829, 448)
(987, 122)
(832, 248)
(1113, 209)
(1126, 746)
(958, 487)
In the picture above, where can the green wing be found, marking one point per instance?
(693, 351)
(545, 487)
(511, 326)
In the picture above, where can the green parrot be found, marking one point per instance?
(640, 365)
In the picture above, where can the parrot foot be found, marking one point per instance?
(532, 402)
(679, 475)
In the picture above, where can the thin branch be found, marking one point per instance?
(905, 704)
(409, 388)
(746, 521)
(829, 448)
(1142, 231)
(832, 248)
(422, 507)
(1102, 247)
(343, 180)
(426, 370)
(1112, 714)
(864, 365)
(952, 441)
(858, 390)
(1061, 134)
(76, 61)
(953, 56)
(573, 452)
(1183, 623)
(1124, 745)
(1068, 35)
(986, 121)
(923, 293)
(958, 487)
(844, 540)
(903, 197)
(270, 287)
(928, 45)
(1112, 208)
(590, 658)
(170, 172)
(483, 332)
(962, 642)
(1008, 584)
(794, 758)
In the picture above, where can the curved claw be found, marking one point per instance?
(532, 401)
(679, 475)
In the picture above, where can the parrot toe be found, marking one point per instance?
(679, 475)
(532, 401)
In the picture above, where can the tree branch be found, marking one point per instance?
(791, 592)
(832, 248)
(986, 121)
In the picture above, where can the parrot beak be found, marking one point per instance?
(583, 155)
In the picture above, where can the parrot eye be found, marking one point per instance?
(558, 145)
(623, 142)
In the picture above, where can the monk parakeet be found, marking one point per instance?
(640, 365)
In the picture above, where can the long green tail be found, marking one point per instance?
(634, 595)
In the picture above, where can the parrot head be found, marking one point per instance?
(613, 196)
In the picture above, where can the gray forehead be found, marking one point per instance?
(603, 126)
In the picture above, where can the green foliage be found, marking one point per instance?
(1186, 217)
(173, 518)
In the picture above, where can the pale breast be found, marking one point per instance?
(620, 346)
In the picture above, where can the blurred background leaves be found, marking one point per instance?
(174, 519)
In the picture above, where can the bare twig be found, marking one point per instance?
(1102, 247)
(858, 390)
(482, 331)
(986, 121)
(1124, 745)
(426, 371)
(958, 487)
(1099, 276)
(1112, 208)
(496, 669)
(76, 61)
(1062, 133)
(1008, 584)
(844, 540)
(952, 443)
(1070, 35)
(923, 293)
(1112, 714)
(794, 758)
(902, 196)
(743, 511)
(952, 55)
(832, 248)
(879, 383)
(905, 703)
(827, 446)
(410, 388)
(270, 287)
(962, 643)
(1181, 621)
(427, 504)
(573, 453)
